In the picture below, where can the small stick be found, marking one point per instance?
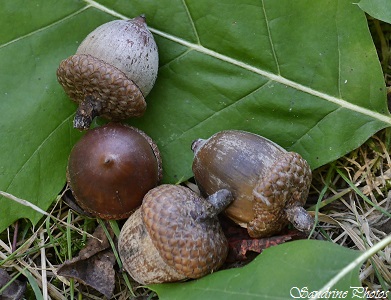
(36, 208)
(15, 238)
(43, 267)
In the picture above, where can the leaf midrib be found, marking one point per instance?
(199, 48)
(277, 78)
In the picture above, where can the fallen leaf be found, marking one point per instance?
(240, 243)
(94, 264)
(15, 290)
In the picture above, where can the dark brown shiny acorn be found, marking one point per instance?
(174, 235)
(111, 168)
(113, 70)
(269, 184)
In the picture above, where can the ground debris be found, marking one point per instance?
(240, 243)
(15, 290)
(94, 264)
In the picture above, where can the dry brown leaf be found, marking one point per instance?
(240, 243)
(15, 290)
(94, 264)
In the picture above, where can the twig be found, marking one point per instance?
(53, 291)
(36, 208)
(43, 266)
(358, 261)
(23, 202)
(15, 238)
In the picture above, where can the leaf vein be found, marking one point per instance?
(275, 77)
(175, 58)
(278, 78)
(36, 151)
(44, 27)
(270, 38)
(105, 9)
(297, 142)
(198, 124)
(191, 20)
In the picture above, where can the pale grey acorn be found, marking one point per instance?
(113, 70)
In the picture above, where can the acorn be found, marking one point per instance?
(269, 184)
(113, 70)
(111, 168)
(175, 235)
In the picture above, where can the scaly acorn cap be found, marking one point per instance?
(185, 230)
(113, 70)
(279, 197)
(99, 89)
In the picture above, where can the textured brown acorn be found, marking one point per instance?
(113, 70)
(269, 184)
(111, 168)
(174, 235)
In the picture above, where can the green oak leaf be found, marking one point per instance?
(303, 73)
(292, 270)
(379, 9)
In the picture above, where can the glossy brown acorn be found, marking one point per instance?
(111, 168)
(174, 235)
(269, 184)
(113, 70)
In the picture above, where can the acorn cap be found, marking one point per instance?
(279, 197)
(186, 237)
(100, 89)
